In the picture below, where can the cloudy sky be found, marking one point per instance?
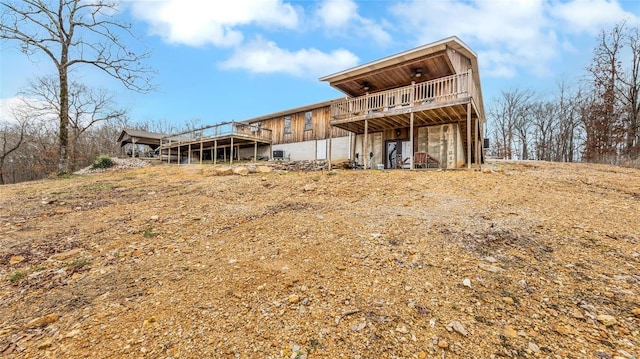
(233, 60)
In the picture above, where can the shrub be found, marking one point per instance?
(103, 161)
(16, 276)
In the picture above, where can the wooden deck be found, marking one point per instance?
(228, 136)
(432, 102)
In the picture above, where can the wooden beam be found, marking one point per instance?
(330, 143)
(200, 151)
(365, 146)
(468, 135)
(231, 150)
(477, 141)
(411, 141)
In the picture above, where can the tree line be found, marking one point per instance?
(65, 123)
(592, 120)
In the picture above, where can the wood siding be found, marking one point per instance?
(319, 131)
(459, 62)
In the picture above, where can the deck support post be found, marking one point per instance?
(352, 146)
(477, 141)
(214, 154)
(468, 135)
(169, 153)
(160, 150)
(179, 158)
(255, 151)
(411, 141)
(330, 144)
(201, 151)
(365, 146)
(231, 150)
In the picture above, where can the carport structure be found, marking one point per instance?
(139, 137)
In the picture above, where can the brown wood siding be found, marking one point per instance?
(319, 131)
(460, 62)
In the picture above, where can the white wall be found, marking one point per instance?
(308, 151)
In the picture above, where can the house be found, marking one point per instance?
(422, 107)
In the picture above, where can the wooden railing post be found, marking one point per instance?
(413, 93)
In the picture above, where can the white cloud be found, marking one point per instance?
(260, 56)
(590, 16)
(341, 16)
(510, 35)
(7, 107)
(335, 14)
(200, 22)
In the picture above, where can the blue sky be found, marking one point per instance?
(233, 60)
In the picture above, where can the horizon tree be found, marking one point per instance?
(12, 136)
(87, 108)
(72, 33)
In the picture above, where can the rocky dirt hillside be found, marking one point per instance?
(522, 260)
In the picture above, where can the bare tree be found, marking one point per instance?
(601, 116)
(11, 138)
(544, 121)
(509, 116)
(629, 90)
(87, 108)
(567, 123)
(72, 33)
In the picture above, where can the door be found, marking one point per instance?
(406, 154)
(398, 154)
(392, 152)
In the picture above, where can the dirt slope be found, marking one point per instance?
(531, 260)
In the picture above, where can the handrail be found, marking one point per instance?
(439, 90)
(219, 130)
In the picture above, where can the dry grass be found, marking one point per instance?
(168, 261)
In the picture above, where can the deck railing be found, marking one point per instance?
(439, 91)
(217, 131)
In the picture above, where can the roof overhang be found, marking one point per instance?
(400, 69)
(292, 111)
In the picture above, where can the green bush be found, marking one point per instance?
(103, 162)
(16, 276)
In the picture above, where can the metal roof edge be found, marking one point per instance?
(293, 110)
(402, 56)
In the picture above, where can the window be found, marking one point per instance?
(308, 120)
(287, 124)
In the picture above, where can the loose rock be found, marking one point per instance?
(43, 321)
(509, 332)
(607, 320)
(490, 268)
(458, 327)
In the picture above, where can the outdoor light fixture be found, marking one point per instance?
(417, 73)
(365, 86)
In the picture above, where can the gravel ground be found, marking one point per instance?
(520, 260)
(119, 164)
